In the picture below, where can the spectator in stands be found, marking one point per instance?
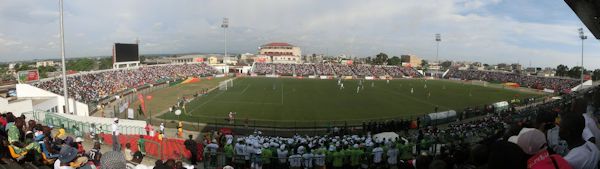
(191, 146)
(113, 160)
(582, 154)
(94, 154)
(136, 161)
(127, 152)
(67, 155)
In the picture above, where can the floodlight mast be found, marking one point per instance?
(62, 54)
(225, 25)
(582, 37)
(438, 39)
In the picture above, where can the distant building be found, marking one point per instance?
(411, 60)
(213, 60)
(230, 60)
(281, 52)
(314, 58)
(44, 63)
(262, 59)
(11, 66)
(187, 59)
(516, 67)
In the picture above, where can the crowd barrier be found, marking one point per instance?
(167, 148)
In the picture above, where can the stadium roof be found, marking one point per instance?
(278, 44)
(588, 12)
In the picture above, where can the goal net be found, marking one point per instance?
(225, 85)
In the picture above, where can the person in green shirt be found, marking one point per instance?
(329, 157)
(267, 155)
(355, 154)
(346, 151)
(141, 143)
(228, 150)
(338, 159)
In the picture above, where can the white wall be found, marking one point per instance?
(586, 84)
(28, 91)
(46, 104)
(16, 107)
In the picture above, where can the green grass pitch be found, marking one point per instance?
(309, 100)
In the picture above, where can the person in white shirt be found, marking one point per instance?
(582, 154)
(239, 150)
(115, 135)
(162, 128)
(392, 155)
(308, 159)
(377, 155)
(592, 126)
(319, 159)
(295, 161)
(282, 154)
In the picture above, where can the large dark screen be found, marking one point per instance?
(126, 52)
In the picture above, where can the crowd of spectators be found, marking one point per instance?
(93, 86)
(528, 137)
(361, 70)
(29, 142)
(263, 68)
(377, 70)
(304, 69)
(284, 69)
(536, 82)
(324, 69)
(342, 70)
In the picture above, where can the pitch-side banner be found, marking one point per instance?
(28, 75)
(130, 113)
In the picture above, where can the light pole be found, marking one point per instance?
(225, 25)
(438, 39)
(582, 37)
(62, 53)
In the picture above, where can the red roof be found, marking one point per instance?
(278, 44)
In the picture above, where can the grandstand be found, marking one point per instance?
(320, 69)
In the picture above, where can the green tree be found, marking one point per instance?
(380, 59)
(369, 60)
(596, 75)
(45, 69)
(575, 72)
(23, 66)
(105, 63)
(446, 64)
(84, 64)
(562, 70)
(424, 64)
(394, 61)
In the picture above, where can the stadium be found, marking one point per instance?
(279, 108)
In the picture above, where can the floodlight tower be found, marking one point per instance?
(62, 54)
(438, 39)
(225, 25)
(582, 37)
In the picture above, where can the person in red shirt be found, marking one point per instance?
(148, 128)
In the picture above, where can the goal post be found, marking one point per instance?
(225, 85)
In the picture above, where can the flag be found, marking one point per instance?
(142, 104)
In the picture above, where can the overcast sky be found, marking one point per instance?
(543, 32)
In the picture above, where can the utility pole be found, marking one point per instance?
(64, 64)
